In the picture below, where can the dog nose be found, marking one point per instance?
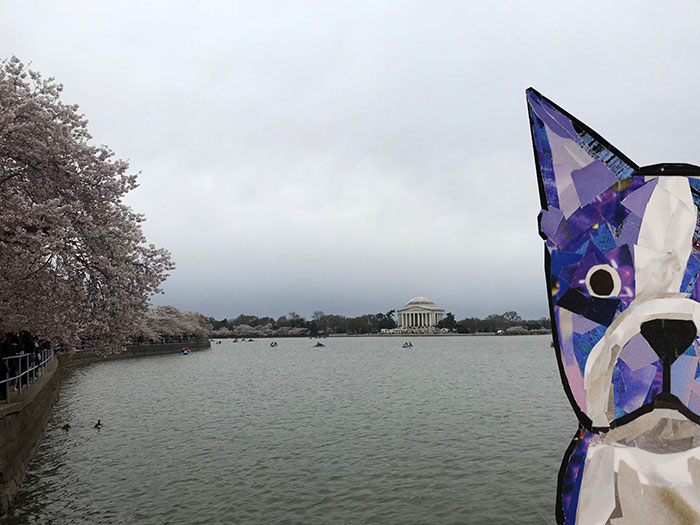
(669, 337)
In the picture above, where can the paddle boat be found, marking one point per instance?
(407, 344)
(186, 351)
(319, 345)
(273, 344)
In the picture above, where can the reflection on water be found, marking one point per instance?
(455, 430)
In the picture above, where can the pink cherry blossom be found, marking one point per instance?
(74, 263)
(167, 323)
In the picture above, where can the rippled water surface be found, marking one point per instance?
(455, 430)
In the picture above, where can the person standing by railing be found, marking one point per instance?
(4, 375)
(37, 354)
(14, 363)
(23, 365)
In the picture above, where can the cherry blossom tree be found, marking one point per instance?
(74, 262)
(222, 333)
(167, 323)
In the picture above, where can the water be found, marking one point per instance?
(455, 430)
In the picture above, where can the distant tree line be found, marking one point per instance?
(494, 323)
(321, 323)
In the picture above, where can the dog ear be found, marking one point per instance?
(574, 163)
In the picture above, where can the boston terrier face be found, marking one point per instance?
(622, 263)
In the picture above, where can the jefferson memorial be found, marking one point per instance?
(420, 313)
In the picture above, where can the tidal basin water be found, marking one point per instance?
(455, 430)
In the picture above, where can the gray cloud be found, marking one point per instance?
(349, 156)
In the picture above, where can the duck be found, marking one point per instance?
(98, 425)
(66, 427)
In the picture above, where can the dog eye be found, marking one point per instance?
(602, 280)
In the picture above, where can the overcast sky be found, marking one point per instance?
(347, 156)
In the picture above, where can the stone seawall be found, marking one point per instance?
(80, 358)
(22, 424)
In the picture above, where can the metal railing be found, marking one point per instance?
(26, 370)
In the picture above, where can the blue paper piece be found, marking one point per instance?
(584, 343)
(561, 259)
(603, 238)
(691, 274)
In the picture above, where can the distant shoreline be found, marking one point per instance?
(479, 334)
(455, 334)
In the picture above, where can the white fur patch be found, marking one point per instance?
(665, 238)
(638, 485)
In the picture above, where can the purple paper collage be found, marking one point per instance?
(593, 209)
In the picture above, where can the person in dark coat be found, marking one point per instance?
(4, 374)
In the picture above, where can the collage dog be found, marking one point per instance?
(622, 258)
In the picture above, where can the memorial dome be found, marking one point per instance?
(424, 301)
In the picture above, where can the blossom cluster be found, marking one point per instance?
(74, 262)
